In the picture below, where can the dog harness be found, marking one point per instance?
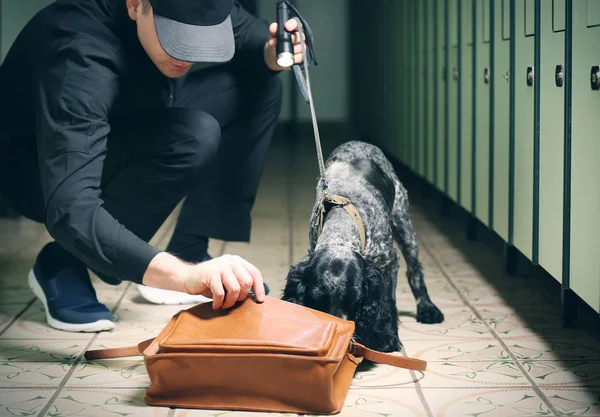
(327, 202)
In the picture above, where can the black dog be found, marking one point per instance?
(341, 278)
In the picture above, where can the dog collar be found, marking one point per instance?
(330, 200)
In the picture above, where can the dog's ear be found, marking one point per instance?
(295, 286)
(377, 316)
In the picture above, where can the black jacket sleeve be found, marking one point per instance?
(75, 90)
(251, 35)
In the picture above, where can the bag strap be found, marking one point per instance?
(387, 358)
(119, 352)
(356, 349)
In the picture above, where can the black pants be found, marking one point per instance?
(209, 148)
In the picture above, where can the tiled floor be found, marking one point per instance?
(500, 352)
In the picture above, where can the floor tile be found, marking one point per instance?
(493, 350)
(36, 350)
(104, 402)
(33, 374)
(451, 374)
(371, 402)
(24, 402)
(459, 323)
(574, 401)
(498, 402)
(8, 312)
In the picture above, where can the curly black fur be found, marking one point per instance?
(335, 277)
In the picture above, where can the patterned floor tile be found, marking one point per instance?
(23, 350)
(492, 350)
(499, 402)
(33, 374)
(527, 321)
(367, 402)
(8, 312)
(103, 403)
(563, 373)
(25, 402)
(450, 374)
(459, 323)
(20, 295)
(574, 401)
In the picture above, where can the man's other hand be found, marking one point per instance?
(271, 45)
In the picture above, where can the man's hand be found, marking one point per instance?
(226, 279)
(270, 47)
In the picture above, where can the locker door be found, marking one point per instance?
(482, 110)
(585, 168)
(523, 135)
(501, 116)
(551, 147)
(430, 88)
(413, 85)
(452, 100)
(421, 91)
(441, 78)
(465, 99)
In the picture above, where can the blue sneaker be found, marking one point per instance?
(69, 299)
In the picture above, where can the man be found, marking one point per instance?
(106, 125)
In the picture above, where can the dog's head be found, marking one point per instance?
(345, 285)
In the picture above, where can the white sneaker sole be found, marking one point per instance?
(167, 297)
(96, 326)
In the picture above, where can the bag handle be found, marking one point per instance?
(356, 349)
(387, 358)
(119, 352)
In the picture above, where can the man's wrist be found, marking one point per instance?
(166, 272)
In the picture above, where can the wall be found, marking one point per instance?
(13, 16)
(500, 98)
(329, 79)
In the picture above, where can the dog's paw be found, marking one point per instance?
(428, 313)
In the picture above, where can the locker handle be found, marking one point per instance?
(506, 75)
(455, 74)
(559, 76)
(595, 78)
(529, 76)
(486, 75)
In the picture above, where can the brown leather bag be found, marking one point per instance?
(273, 356)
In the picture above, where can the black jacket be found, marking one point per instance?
(75, 63)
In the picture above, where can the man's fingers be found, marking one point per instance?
(291, 25)
(258, 284)
(231, 286)
(298, 48)
(273, 29)
(218, 293)
(244, 279)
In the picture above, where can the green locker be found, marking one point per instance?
(482, 109)
(412, 84)
(501, 116)
(421, 89)
(430, 87)
(524, 135)
(551, 142)
(465, 99)
(452, 101)
(440, 99)
(406, 86)
(585, 168)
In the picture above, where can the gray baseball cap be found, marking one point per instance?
(195, 30)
